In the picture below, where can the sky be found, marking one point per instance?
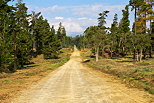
(76, 15)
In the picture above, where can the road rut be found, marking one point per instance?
(76, 83)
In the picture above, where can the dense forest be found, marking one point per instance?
(23, 36)
(122, 39)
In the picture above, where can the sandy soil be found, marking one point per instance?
(76, 83)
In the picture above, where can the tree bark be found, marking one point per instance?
(141, 52)
(111, 52)
(144, 54)
(137, 56)
(134, 54)
(135, 19)
(97, 53)
(15, 52)
(150, 52)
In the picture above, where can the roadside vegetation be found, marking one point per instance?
(12, 83)
(134, 74)
(123, 49)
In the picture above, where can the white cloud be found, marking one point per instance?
(54, 8)
(86, 10)
(77, 18)
(93, 10)
(83, 18)
(72, 25)
(59, 18)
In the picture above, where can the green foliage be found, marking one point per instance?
(101, 19)
(95, 36)
(24, 36)
(6, 57)
(51, 45)
(124, 32)
(113, 38)
(78, 40)
(137, 70)
(148, 69)
(124, 23)
(114, 25)
(61, 35)
(119, 40)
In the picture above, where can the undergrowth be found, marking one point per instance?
(134, 74)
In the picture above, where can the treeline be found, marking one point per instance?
(120, 40)
(77, 40)
(24, 36)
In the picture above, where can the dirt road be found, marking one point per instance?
(75, 83)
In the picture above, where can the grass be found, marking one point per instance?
(11, 83)
(134, 74)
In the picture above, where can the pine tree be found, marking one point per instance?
(47, 39)
(135, 6)
(124, 31)
(54, 44)
(34, 17)
(95, 37)
(64, 37)
(149, 17)
(41, 29)
(143, 14)
(6, 13)
(22, 44)
(51, 45)
(113, 35)
(20, 33)
(101, 19)
(61, 35)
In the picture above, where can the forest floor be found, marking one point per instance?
(76, 83)
(12, 83)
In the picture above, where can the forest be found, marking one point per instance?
(122, 39)
(105, 64)
(23, 36)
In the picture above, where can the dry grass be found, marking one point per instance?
(134, 74)
(12, 83)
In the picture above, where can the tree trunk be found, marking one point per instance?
(83, 47)
(141, 52)
(111, 53)
(97, 53)
(144, 54)
(135, 19)
(137, 56)
(0, 60)
(32, 38)
(150, 52)
(103, 51)
(134, 54)
(15, 52)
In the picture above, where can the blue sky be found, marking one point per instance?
(76, 15)
(47, 3)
